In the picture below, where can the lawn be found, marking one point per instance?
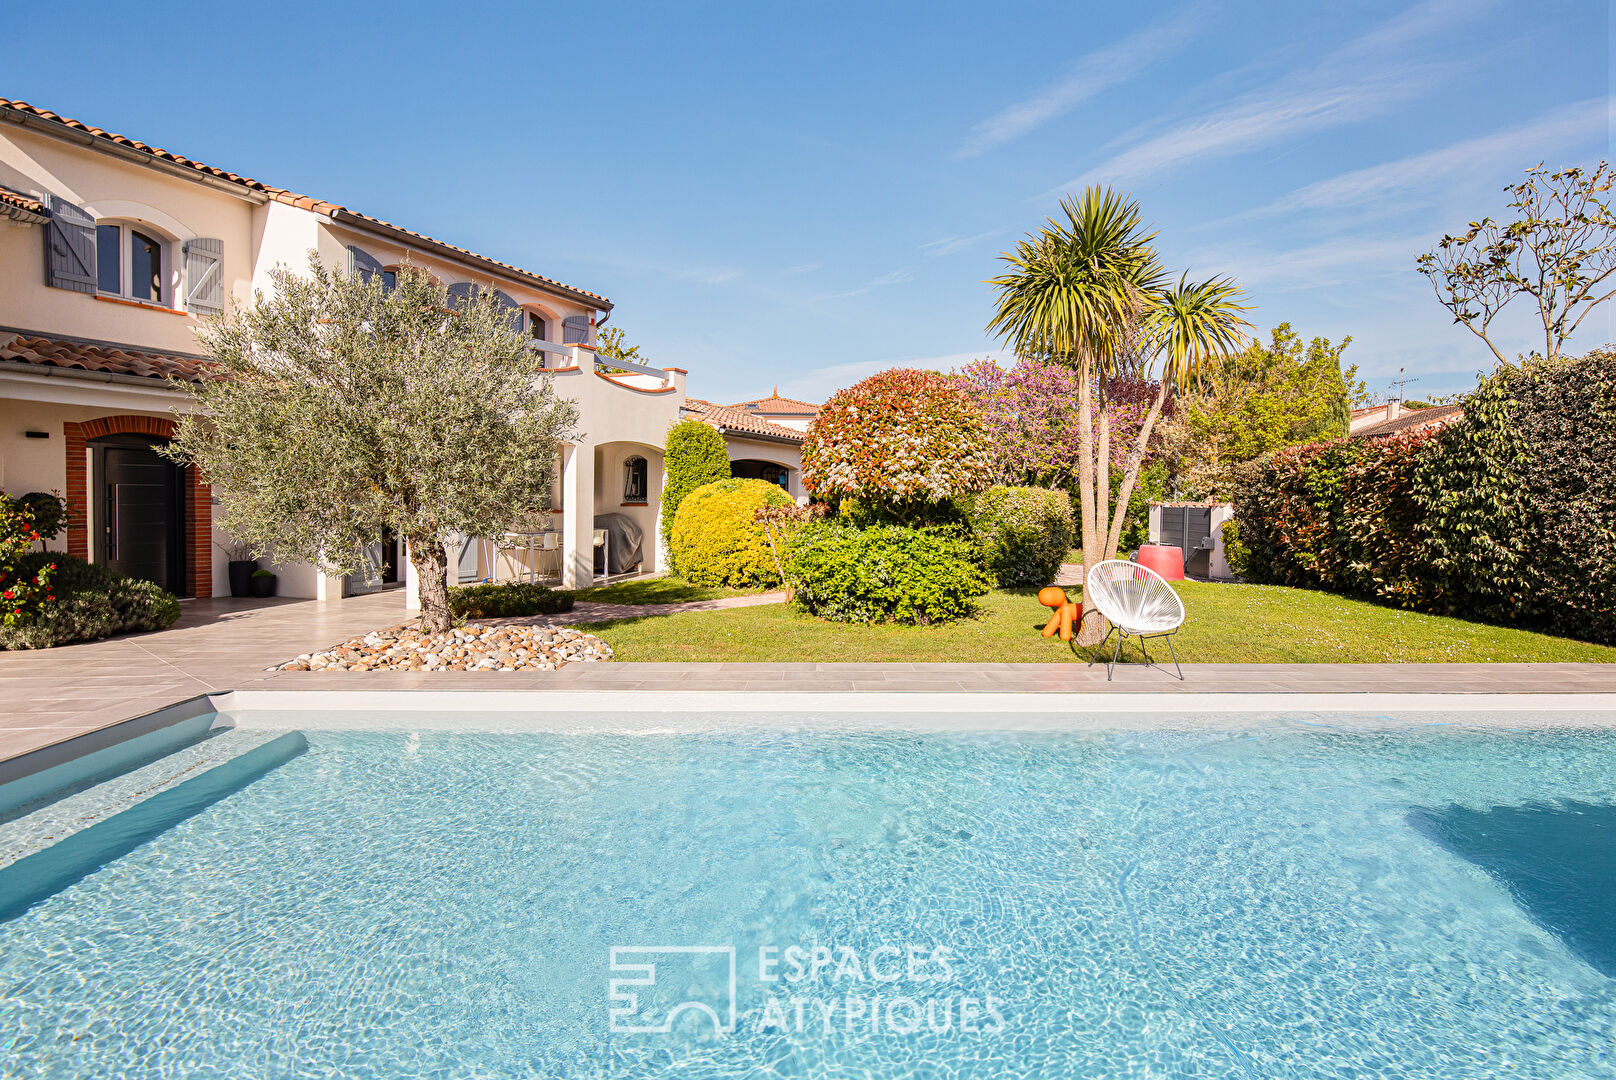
(1245, 624)
(658, 590)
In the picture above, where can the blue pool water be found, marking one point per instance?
(1273, 902)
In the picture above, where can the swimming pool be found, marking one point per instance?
(1277, 897)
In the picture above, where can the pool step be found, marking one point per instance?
(52, 847)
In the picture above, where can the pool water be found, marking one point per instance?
(1268, 902)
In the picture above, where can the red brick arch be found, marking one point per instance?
(198, 497)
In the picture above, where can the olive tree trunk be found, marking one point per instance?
(432, 582)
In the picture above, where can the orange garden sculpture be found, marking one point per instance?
(1065, 614)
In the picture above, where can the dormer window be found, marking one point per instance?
(129, 263)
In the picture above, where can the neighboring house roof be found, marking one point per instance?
(1413, 418)
(1363, 409)
(731, 418)
(291, 198)
(103, 356)
(775, 405)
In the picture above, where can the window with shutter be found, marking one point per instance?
(575, 330)
(69, 247)
(362, 264)
(461, 293)
(204, 276)
(513, 311)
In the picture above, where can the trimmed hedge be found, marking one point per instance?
(91, 602)
(1506, 515)
(883, 573)
(694, 455)
(1021, 533)
(717, 539)
(508, 601)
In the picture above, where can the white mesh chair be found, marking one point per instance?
(1135, 600)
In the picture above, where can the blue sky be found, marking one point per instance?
(799, 195)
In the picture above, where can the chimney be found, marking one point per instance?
(1394, 409)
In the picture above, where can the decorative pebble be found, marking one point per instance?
(467, 648)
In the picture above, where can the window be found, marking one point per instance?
(535, 327)
(129, 263)
(634, 480)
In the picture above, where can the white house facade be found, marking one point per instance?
(111, 250)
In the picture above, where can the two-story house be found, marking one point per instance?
(111, 250)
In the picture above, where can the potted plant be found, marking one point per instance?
(241, 566)
(263, 583)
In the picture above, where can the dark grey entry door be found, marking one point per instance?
(140, 504)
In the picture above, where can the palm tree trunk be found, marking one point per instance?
(1090, 631)
(1130, 471)
(1102, 467)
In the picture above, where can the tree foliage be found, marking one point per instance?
(717, 537)
(902, 439)
(342, 408)
(693, 455)
(1558, 250)
(1246, 404)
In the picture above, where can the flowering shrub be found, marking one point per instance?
(25, 585)
(91, 602)
(1031, 416)
(717, 539)
(1021, 534)
(883, 573)
(899, 438)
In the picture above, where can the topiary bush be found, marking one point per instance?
(694, 455)
(904, 439)
(717, 539)
(1021, 534)
(513, 599)
(883, 573)
(89, 602)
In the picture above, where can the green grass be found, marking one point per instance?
(1247, 624)
(658, 590)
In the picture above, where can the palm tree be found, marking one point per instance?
(1088, 292)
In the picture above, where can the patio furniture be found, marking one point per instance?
(1135, 600)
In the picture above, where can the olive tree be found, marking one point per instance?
(342, 408)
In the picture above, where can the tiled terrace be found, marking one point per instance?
(223, 644)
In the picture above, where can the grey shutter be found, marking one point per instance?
(462, 293)
(204, 276)
(362, 264)
(513, 312)
(575, 330)
(69, 247)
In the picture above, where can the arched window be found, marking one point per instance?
(130, 263)
(634, 480)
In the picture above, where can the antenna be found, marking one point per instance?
(1401, 382)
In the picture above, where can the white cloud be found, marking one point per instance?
(897, 277)
(803, 268)
(949, 245)
(1093, 74)
(1518, 146)
(1331, 262)
(1361, 79)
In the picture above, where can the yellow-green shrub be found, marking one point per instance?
(715, 540)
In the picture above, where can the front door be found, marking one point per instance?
(140, 515)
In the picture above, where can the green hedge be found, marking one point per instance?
(91, 602)
(694, 455)
(716, 540)
(883, 573)
(1506, 515)
(507, 601)
(1021, 534)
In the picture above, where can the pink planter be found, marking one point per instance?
(1165, 559)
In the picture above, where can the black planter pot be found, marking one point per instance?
(241, 577)
(263, 584)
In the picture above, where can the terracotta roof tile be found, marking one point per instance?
(777, 406)
(731, 418)
(51, 352)
(17, 200)
(291, 198)
(1413, 418)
